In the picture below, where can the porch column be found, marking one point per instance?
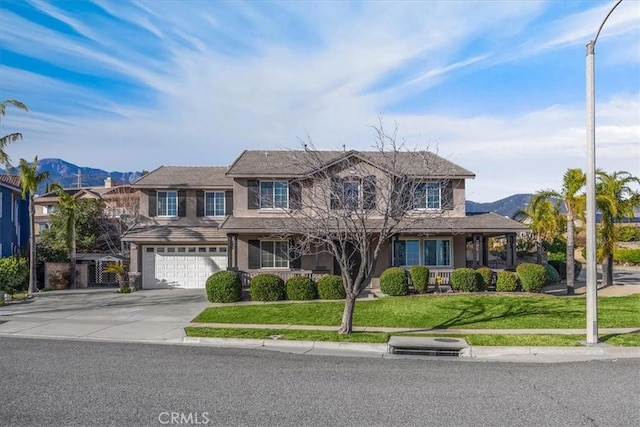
(485, 251)
(232, 252)
(511, 250)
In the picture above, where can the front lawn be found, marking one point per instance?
(379, 337)
(441, 312)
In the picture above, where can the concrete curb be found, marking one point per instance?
(309, 345)
(609, 351)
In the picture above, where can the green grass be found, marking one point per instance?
(444, 312)
(286, 334)
(379, 337)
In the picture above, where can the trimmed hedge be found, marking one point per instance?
(532, 277)
(552, 275)
(224, 286)
(419, 278)
(301, 288)
(486, 276)
(507, 281)
(465, 280)
(394, 282)
(331, 287)
(266, 287)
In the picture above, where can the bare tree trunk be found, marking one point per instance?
(571, 276)
(347, 315)
(607, 270)
(32, 247)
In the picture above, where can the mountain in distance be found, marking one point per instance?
(66, 174)
(69, 175)
(505, 207)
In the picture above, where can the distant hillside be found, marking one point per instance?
(505, 207)
(70, 175)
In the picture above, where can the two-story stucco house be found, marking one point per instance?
(14, 217)
(198, 220)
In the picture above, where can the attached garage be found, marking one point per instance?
(180, 266)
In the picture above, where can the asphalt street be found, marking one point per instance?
(78, 383)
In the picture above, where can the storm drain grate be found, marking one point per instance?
(427, 346)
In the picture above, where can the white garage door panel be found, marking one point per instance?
(188, 269)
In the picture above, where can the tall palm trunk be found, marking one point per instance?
(571, 276)
(72, 256)
(32, 247)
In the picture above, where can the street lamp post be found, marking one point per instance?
(592, 290)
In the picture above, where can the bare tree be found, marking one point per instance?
(121, 213)
(351, 204)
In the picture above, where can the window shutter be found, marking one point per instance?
(295, 258)
(447, 197)
(199, 203)
(369, 192)
(253, 194)
(336, 192)
(182, 203)
(295, 195)
(153, 203)
(228, 202)
(254, 254)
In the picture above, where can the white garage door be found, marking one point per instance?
(180, 266)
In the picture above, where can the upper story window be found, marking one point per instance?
(214, 203)
(274, 194)
(427, 195)
(353, 193)
(48, 209)
(167, 203)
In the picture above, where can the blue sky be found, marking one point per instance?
(497, 87)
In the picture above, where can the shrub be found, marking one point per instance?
(14, 272)
(557, 256)
(419, 277)
(393, 282)
(532, 276)
(124, 290)
(224, 286)
(331, 287)
(485, 277)
(561, 267)
(552, 275)
(465, 280)
(507, 281)
(266, 287)
(627, 256)
(301, 288)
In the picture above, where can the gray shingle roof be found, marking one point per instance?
(293, 163)
(174, 234)
(185, 177)
(473, 223)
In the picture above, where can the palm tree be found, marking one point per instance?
(569, 195)
(30, 179)
(69, 205)
(12, 137)
(543, 217)
(615, 200)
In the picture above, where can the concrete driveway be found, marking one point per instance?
(103, 314)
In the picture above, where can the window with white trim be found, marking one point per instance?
(274, 254)
(167, 203)
(427, 195)
(409, 252)
(274, 195)
(429, 252)
(351, 193)
(214, 203)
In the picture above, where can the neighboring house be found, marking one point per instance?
(195, 221)
(119, 200)
(14, 217)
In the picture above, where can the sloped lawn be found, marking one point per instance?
(443, 312)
